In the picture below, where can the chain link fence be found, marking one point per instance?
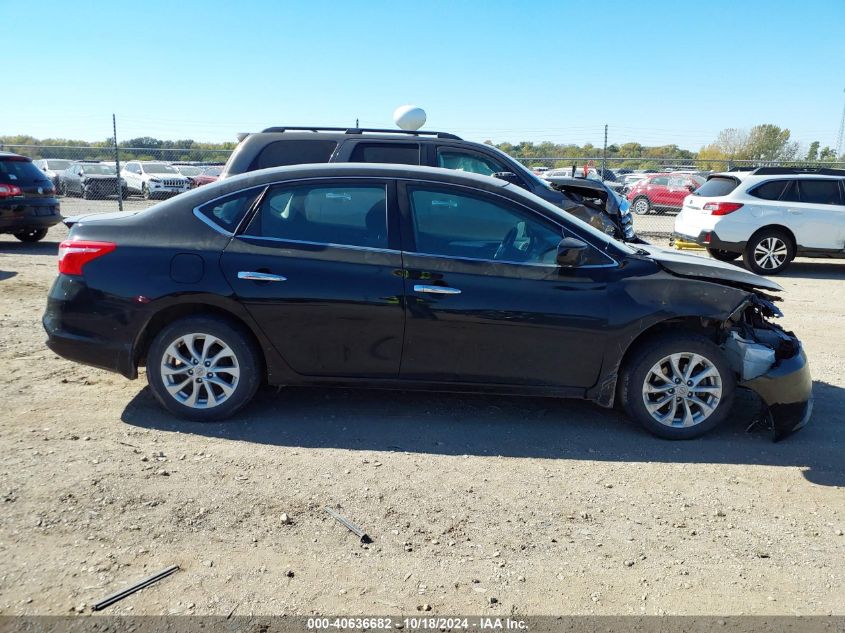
(89, 173)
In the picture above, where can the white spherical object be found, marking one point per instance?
(409, 117)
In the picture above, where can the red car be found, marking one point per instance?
(662, 192)
(209, 175)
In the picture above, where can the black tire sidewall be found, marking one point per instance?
(748, 253)
(240, 343)
(38, 235)
(723, 256)
(653, 350)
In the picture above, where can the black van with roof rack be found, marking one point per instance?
(286, 145)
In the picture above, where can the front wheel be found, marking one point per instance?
(31, 235)
(203, 368)
(768, 252)
(723, 256)
(641, 206)
(678, 386)
(145, 192)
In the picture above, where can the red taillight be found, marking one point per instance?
(8, 191)
(721, 208)
(74, 254)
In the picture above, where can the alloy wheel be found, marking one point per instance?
(200, 370)
(641, 206)
(682, 390)
(770, 253)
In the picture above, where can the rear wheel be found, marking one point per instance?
(641, 206)
(31, 235)
(768, 252)
(203, 368)
(723, 256)
(86, 194)
(678, 386)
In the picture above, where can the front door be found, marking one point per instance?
(316, 269)
(486, 301)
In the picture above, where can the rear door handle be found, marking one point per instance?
(256, 276)
(436, 290)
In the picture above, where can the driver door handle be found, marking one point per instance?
(256, 276)
(436, 290)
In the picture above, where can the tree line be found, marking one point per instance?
(762, 143)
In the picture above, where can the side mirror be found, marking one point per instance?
(570, 250)
(508, 176)
(691, 188)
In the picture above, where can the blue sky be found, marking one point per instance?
(656, 72)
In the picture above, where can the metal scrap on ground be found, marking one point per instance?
(120, 595)
(350, 525)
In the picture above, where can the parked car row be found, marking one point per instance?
(150, 179)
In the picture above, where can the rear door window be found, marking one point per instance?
(772, 190)
(294, 152)
(349, 215)
(20, 172)
(399, 153)
(819, 191)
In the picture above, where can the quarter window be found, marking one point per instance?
(456, 225)
(397, 153)
(227, 212)
(464, 161)
(771, 190)
(292, 152)
(352, 215)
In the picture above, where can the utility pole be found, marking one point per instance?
(839, 145)
(356, 123)
(604, 154)
(117, 164)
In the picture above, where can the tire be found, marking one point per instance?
(723, 256)
(238, 353)
(86, 195)
(145, 192)
(31, 235)
(768, 252)
(645, 378)
(63, 189)
(124, 194)
(641, 206)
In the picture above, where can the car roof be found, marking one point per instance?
(742, 176)
(13, 155)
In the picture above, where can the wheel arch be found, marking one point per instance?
(272, 365)
(775, 227)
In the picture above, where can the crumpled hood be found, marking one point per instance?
(700, 267)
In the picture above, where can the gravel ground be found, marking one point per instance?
(475, 504)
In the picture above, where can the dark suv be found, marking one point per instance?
(28, 204)
(278, 146)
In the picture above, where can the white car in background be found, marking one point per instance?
(768, 216)
(153, 180)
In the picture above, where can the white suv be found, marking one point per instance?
(768, 215)
(153, 180)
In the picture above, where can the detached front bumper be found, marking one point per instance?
(787, 392)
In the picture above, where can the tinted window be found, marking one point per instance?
(401, 153)
(820, 191)
(790, 194)
(294, 152)
(227, 212)
(57, 164)
(660, 181)
(456, 225)
(17, 172)
(473, 163)
(771, 190)
(717, 186)
(353, 215)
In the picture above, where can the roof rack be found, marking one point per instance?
(780, 171)
(362, 130)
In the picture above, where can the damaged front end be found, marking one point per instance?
(771, 362)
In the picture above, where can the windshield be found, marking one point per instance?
(600, 236)
(158, 168)
(105, 170)
(213, 171)
(57, 165)
(189, 170)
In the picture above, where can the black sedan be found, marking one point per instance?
(414, 277)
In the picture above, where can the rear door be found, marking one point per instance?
(319, 269)
(816, 212)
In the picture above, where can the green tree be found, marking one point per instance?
(813, 151)
(769, 142)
